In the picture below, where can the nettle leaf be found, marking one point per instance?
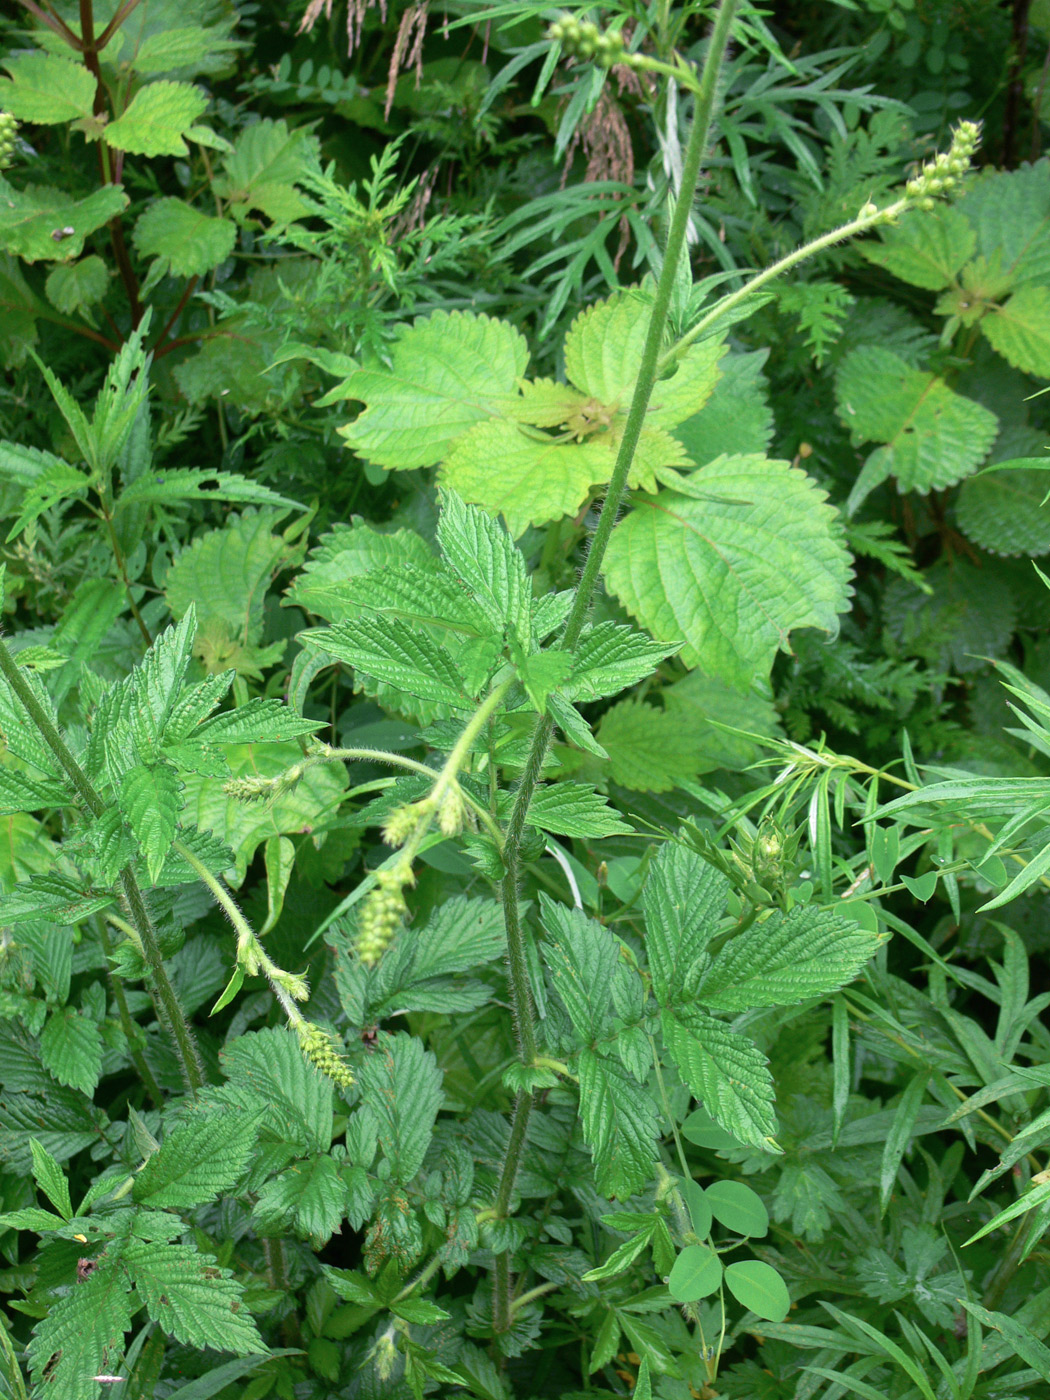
(526, 476)
(350, 552)
(620, 1126)
(191, 1298)
(51, 1179)
(1019, 330)
(401, 1083)
(263, 168)
(189, 242)
(149, 801)
(786, 959)
(737, 417)
(933, 437)
(34, 221)
(199, 1159)
(574, 809)
(727, 1071)
(448, 372)
(157, 118)
(1003, 510)
(82, 1335)
(927, 249)
(757, 553)
(297, 1098)
(19, 793)
(395, 652)
(258, 721)
(71, 1049)
(649, 750)
(582, 958)
(610, 657)
(45, 89)
(483, 557)
(684, 900)
(308, 1198)
(72, 286)
(427, 971)
(55, 898)
(1010, 213)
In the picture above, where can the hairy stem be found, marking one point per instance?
(649, 370)
(127, 1024)
(170, 1012)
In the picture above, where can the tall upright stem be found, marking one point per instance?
(649, 370)
(169, 1010)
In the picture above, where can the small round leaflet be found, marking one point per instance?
(699, 1211)
(738, 1208)
(697, 1272)
(759, 1287)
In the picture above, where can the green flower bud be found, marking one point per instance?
(382, 913)
(8, 133)
(319, 1048)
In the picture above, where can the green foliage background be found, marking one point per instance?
(353, 1041)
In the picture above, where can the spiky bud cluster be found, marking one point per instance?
(404, 820)
(256, 788)
(319, 1048)
(583, 39)
(8, 135)
(382, 914)
(942, 175)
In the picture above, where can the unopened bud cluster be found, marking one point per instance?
(942, 175)
(382, 913)
(8, 135)
(583, 39)
(319, 1048)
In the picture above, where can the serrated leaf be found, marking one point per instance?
(619, 1125)
(189, 241)
(191, 1297)
(649, 750)
(58, 483)
(483, 556)
(1010, 213)
(44, 88)
(52, 897)
(448, 372)
(392, 651)
(582, 958)
(727, 1071)
(19, 793)
(757, 553)
(574, 809)
(182, 47)
(1004, 511)
(622, 1257)
(82, 1335)
(307, 1198)
(297, 1098)
(258, 721)
(51, 1179)
(71, 286)
(149, 800)
(351, 552)
(684, 900)
(610, 657)
(199, 1159)
(156, 119)
(71, 1049)
(1019, 330)
(925, 249)
(527, 477)
(263, 168)
(401, 1083)
(737, 417)
(933, 437)
(786, 959)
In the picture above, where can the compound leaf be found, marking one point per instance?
(684, 899)
(149, 800)
(189, 241)
(191, 1298)
(71, 1048)
(401, 1083)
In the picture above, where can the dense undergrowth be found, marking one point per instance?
(525, 700)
